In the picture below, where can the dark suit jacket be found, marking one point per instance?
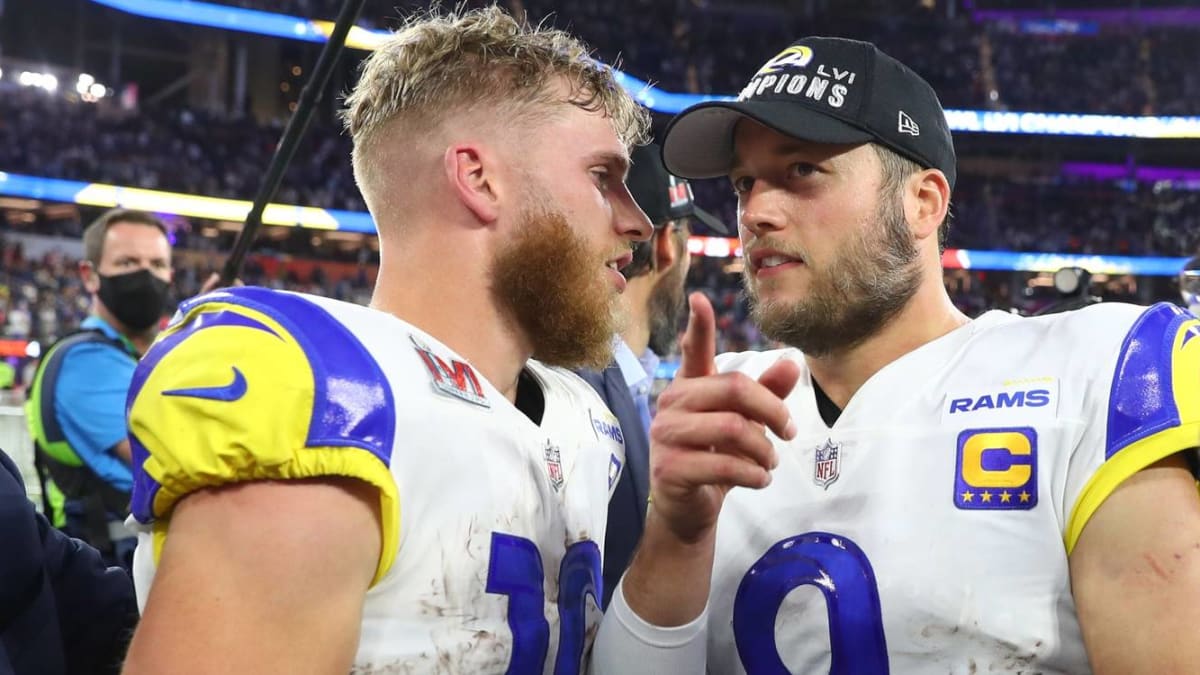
(627, 508)
(61, 609)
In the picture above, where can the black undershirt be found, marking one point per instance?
(530, 398)
(825, 405)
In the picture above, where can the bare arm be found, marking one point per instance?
(262, 577)
(1135, 574)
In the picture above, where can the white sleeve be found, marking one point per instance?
(627, 645)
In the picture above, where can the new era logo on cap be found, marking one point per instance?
(908, 125)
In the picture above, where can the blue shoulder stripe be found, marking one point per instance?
(353, 403)
(1146, 393)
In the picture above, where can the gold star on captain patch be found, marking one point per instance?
(987, 496)
(1005, 497)
(968, 496)
(1024, 497)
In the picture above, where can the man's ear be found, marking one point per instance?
(926, 200)
(89, 276)
(473, 176)
(665, 254)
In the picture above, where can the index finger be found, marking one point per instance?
(760, 401)
(698, 348)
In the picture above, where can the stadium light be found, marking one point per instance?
(29, 78)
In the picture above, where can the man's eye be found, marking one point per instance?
(802, 169)
(602, 177)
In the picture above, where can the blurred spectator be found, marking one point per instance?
(76, 409)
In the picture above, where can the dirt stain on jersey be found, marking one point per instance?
(480, 652)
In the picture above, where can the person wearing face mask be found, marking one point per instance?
(76, 405)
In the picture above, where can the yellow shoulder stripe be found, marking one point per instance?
(1120, 467)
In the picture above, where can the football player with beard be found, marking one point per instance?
(324, 487)
(905, 489)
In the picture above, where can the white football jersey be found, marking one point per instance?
(928, 530)
(492, 524)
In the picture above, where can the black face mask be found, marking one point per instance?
(137, 299)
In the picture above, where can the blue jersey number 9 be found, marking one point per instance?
(840, 569)
(515, 570)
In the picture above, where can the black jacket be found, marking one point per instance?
(61, 609)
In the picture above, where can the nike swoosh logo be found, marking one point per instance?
(229, 392)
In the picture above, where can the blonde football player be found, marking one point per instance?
(327, 488)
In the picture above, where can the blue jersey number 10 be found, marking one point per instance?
(840, 570)
(515, 570)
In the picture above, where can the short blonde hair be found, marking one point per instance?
(442, 63)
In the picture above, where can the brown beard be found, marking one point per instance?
(547, 280)
(854, 296)
(667, 305)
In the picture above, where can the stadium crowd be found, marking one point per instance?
(41, 297)
(207, 152)
(177, 149)
(1129, 69)
(203, 152)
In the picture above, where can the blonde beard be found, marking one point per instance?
(547, 281)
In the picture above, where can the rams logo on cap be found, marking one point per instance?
(796, 56)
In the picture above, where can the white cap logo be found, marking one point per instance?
(908, 125)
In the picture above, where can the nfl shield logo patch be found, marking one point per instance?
(827, 464)
(554, 466)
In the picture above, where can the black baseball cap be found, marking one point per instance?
(662, 196)
(821, 89)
